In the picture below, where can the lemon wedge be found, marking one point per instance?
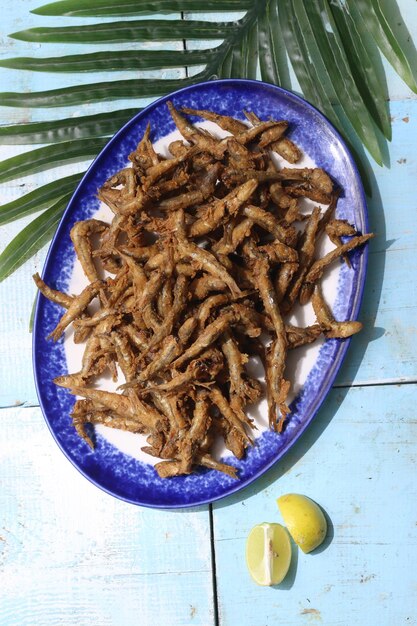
(268, 553)
(304, 519)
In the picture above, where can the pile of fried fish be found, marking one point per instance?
(200, 268)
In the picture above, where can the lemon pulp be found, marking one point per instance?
(268, 553)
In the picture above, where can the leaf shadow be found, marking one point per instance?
(372, 290)
(329, 534)
(318, 425)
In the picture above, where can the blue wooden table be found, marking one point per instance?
(72, 555)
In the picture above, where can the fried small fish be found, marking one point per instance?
(206, 256)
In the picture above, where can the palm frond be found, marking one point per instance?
(49, 157)
(334, 58)
(377, 23)
(31, 238)
(95, 92)
(112, 61)
(39, 198)
(371, 88)
(250, 53)
(331, 46)
(126, 32)
(108, 8)
(305, 70)
(96, 125)
(268, 62)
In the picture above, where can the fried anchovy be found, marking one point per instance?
(211, 217)
(196, 196)
(306, 255)
(203, 140)
(144, 156)
(123, 406)
(330, 326)
(205, 260)
(192, 440)
(278, 350)
(243, 390)
(229, 124)
(250, 134)
(76, 308)
(228, 413)
(266, 220)
(81, 234)
(171, 315)
(206, 366)
(297, 337)
(208, 336)
(201, 287)
(317, 269)
(234, 235)
(155, 172)
(287, 149)
(335, 229)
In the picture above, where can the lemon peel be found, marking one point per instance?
(304, 519)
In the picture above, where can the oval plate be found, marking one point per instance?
(107, 466)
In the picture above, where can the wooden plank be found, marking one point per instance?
(71, 554)
(386, 349)
(74, 555)
(358, 460)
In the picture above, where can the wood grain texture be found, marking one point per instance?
(386, 349)
(71, 554)
(358, 461)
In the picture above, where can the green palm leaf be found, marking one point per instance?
(268, 61)
(108, 8)
(95, 92)
(336, 64)
(305, 69)
(370, 86)
(326, 42)
(38, 199)
(250, 53)
(120, 60)
(376, 22)
(274, 52)
(31, 238)
(49, 156)
(97, 125)
(125, 32)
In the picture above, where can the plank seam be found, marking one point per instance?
(184, 44)
(390, 383)
(213, 568)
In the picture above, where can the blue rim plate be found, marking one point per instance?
(109, 468)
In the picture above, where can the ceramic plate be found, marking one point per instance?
(117, 465)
